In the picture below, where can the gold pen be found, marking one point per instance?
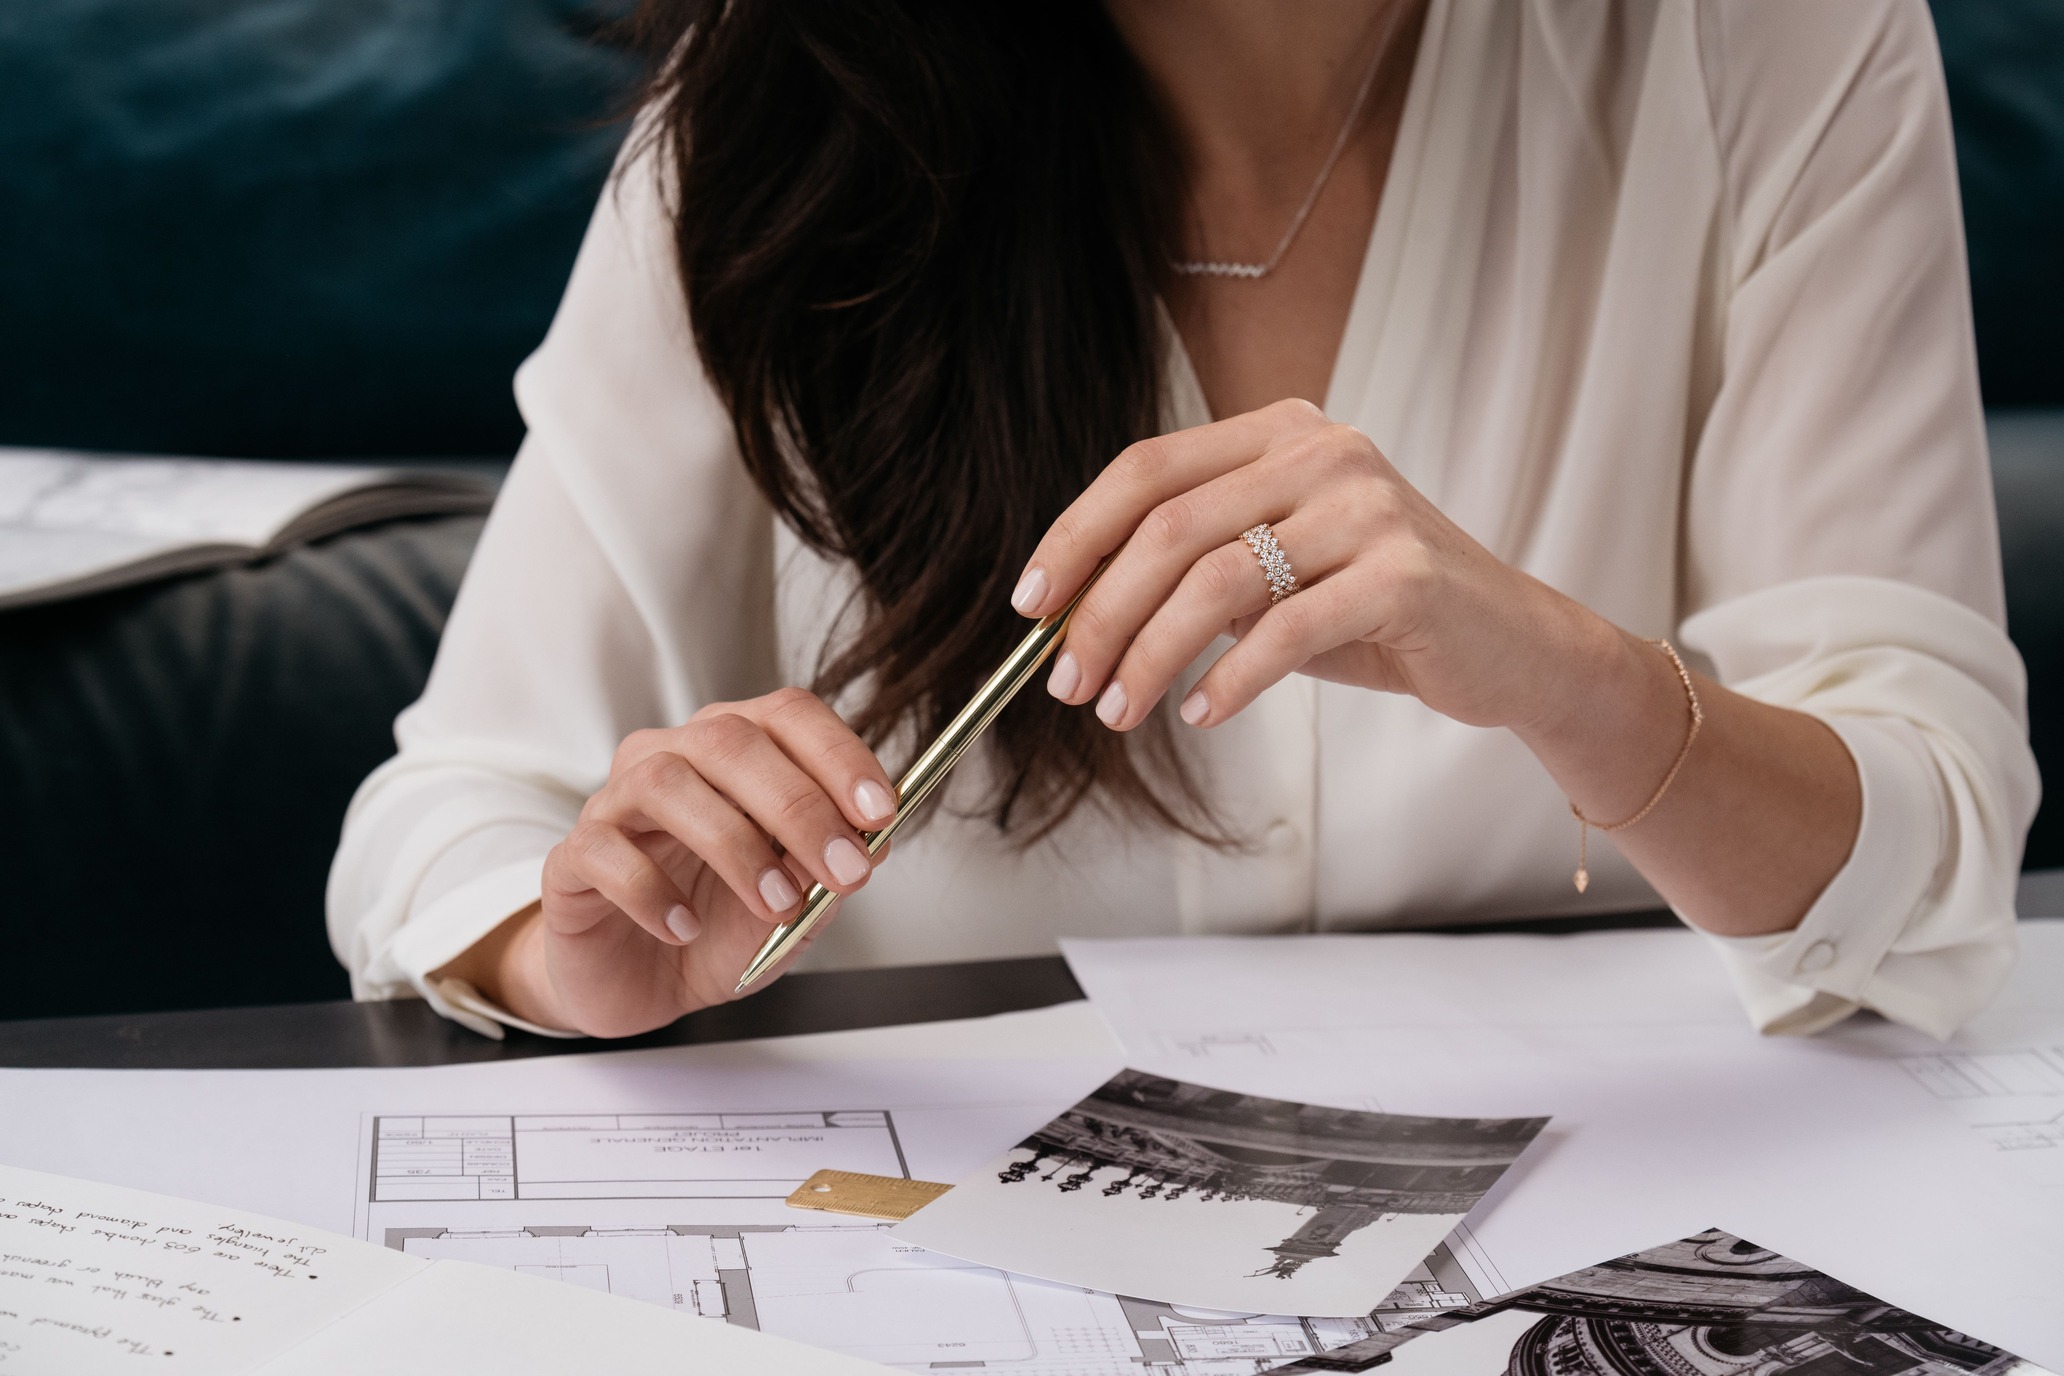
(924, 775)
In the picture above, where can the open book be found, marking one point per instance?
(79, 523)
(94, 1278)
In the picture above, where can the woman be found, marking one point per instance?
(1569, 413)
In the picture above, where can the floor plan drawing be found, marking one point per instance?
(623, 1155)
(2013, 1099)
(687, 1211)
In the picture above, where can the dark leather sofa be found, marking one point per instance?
(312, 228)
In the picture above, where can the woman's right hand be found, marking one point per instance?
(706, 835)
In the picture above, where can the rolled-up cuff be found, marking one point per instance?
(463, 1004)
(1806, 979)
(445, 930)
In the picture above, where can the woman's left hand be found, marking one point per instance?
(1392, 594)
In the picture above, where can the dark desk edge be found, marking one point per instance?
(407, 1032)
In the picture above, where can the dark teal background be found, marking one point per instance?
(290, 227)
(334, 227)
(2004, 60)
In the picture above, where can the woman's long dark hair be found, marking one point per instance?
(919, 241)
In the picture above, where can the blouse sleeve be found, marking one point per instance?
(1841, 551)
(623, 580)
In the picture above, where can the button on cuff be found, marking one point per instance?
(1803, 979)
(1816, 957)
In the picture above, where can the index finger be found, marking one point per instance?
(1142, 477)
(825, 748)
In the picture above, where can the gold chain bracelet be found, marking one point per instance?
(1582, 878)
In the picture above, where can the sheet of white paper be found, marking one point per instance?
(2011, 1099)
(1187, 1194)
(1668, 1112)
(515, 1325)
(314, 1145)
(291, 1143)
(94, 1278)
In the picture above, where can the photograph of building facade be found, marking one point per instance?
(1708, 1305)
(1166, 1139)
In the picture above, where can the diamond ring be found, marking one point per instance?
(1275, 565)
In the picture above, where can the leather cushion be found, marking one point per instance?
(175, 761)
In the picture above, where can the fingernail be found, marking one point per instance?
(776, 892)
(1196, 707)
(683, 924)
(1031, 590)
(1111, 706)
(876, 803)
(846, 861)
(1066, 677)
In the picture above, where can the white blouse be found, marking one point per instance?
(1665, 304)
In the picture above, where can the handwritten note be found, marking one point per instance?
(94, 1278)
(98, 1279)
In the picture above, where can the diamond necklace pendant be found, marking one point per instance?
(1213, 267)
(1216, 269)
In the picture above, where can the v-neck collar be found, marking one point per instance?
(1399, 358)
(1401, 354)
(1373, 282)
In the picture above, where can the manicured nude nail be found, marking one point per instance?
(846, 861)
(1110, 707)
(1065, 678)
(1196, 707)
(876, 803)
(683, 924)
(1031, 590)
(776, 892)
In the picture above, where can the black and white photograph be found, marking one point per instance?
(1711, 1304)
(1179, 1192)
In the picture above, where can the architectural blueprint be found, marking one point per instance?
(686, 1211)
(2013, 1100)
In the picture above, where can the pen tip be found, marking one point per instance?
(753, 971)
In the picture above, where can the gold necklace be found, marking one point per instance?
(1209, 267)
